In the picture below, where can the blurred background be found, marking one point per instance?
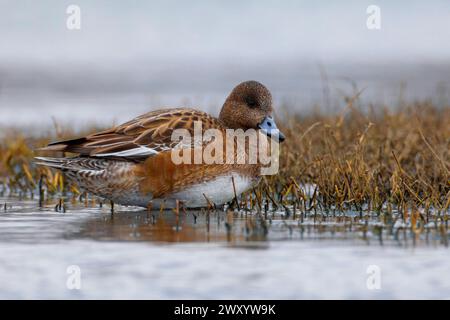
(133, 56)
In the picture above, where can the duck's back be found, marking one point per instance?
(137, 139)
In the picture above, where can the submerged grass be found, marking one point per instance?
(380, 160)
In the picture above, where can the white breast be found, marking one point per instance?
(219, 191)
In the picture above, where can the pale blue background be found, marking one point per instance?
(132, 56)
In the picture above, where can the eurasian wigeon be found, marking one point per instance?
(132, 164)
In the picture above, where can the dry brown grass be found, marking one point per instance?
(367, 160)
(364, 161)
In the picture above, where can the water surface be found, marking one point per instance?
(213, 255)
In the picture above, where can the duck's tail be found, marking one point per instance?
(57, 163)
(110, 179)
(73, 164)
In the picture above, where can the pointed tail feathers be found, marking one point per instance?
(73, 164)
(57, 163)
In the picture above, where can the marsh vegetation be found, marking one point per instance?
(392, 164)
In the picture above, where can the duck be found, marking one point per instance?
(132, 164)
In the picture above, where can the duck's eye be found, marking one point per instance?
(251, 103)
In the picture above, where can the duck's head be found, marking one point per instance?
(249, 106)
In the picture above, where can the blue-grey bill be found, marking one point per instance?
(269, 127)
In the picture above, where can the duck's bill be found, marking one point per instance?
(269, 127)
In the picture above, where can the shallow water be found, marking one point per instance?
(140, 254)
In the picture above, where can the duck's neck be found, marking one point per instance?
(226, 116)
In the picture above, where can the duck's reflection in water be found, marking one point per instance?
(167, 227)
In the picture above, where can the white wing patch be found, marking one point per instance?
(135, 152)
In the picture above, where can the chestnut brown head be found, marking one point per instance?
(249, 106)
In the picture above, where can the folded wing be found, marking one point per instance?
(144, 136)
